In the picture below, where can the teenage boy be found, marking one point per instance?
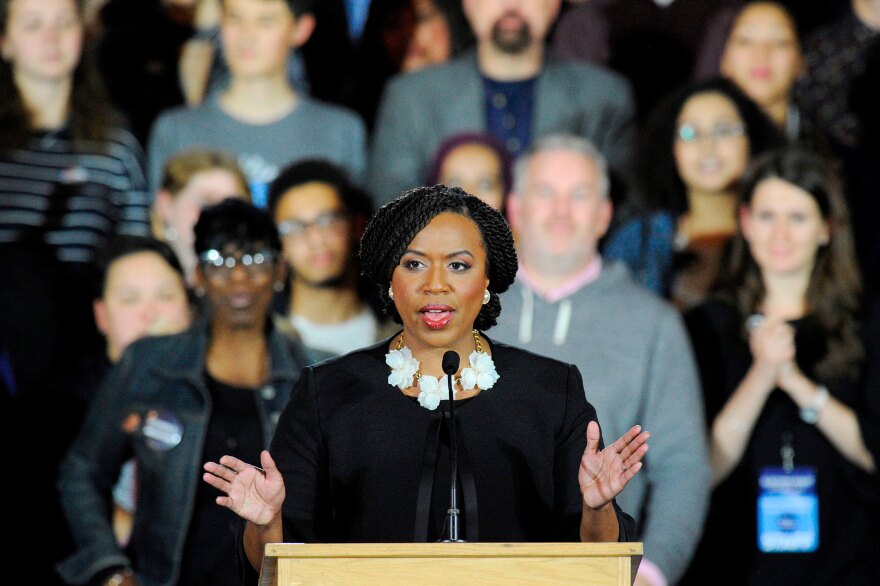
(260, 117)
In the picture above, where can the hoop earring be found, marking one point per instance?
(390, 292)
(486, 296)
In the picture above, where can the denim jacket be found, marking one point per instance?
(154, 398)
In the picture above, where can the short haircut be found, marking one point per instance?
(235, 222)
(396, 223)
(354, 200)
(125, 245)
(562, 142)
(183, 166)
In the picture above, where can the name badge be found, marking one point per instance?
(788, 511)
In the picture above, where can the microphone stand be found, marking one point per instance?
(450, 367)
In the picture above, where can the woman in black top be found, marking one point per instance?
(794, 435)
(172, 402)
(360, 449)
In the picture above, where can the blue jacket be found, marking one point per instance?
(156, 376)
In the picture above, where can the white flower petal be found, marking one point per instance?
(486, 380)
(429, 400)
(429, 392)
(429, 384)
(393, 359)
(468, 379)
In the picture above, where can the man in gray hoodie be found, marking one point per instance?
(630, 346)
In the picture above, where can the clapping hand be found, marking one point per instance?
(604, 473)
(254, 494)
(772, 346)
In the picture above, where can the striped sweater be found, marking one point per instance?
(73, 201)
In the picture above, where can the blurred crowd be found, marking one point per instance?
(691, 185)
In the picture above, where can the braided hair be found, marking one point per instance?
(396, 223)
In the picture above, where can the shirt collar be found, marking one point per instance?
(581, 279)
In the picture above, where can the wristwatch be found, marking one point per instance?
(810, 413)
(117, 578)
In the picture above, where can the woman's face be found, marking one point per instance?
(711, 146)
(784, 228)
(241, 294)
(43, 39)
(431, 42)
(180, 212)
(142, 296)
(476, 169)
(439, 282)
(763, 55)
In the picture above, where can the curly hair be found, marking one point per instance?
(396, 224)
(833, 293)
(659, 186)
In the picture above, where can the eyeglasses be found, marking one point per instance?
(324, 223)
(689, 132)
(219, 266)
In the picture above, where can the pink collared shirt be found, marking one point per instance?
(581, 279)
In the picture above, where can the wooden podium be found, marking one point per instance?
(429, 564)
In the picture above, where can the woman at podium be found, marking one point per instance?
(362, 451)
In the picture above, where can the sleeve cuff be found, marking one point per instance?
(649, 572)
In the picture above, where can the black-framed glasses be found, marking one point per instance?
(217, 265)
(724, 131)
(324, 223)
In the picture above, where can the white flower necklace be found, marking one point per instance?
(405, 369)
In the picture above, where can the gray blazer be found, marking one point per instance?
(419, 110)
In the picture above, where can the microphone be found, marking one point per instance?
(450, 362)
(450, 367)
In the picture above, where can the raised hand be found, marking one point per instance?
(604, 473)
(252, 493)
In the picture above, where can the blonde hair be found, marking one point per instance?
(182, 167)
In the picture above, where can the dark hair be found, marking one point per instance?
(236, 222)
(91, 113)
(397, 223)
(795, 26)
(125, 245)
(461, 35)
(715, 42)
(658, 183)
(354, 200)
(465, 138)
(834, 289)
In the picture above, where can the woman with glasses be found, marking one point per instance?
(173, 402)
(695, 149)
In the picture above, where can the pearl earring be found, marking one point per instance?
(486, 296)
(279, 286)
(391, 293)
(170, 234)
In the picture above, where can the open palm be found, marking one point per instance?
(251, 493)
(604, 473)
